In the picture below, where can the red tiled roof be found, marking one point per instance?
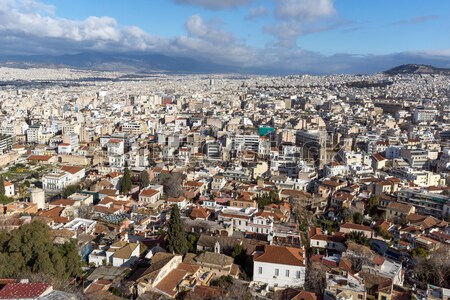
(148, 193)
(356, 227)
(39, 157)
(281, 255)
(72, 169)
(199, 212)
(24, 290)
(62, 202)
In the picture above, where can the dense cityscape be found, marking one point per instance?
(119, 186)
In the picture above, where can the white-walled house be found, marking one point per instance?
(123, 254)
(58, 180)
(149, 196)
(280, 266)
(9, 188)
(181, 201)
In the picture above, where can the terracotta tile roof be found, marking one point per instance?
(282, 255)
(176, 200)
(63, 202)
(304, 295)
(148, 193)
(105, 210)
(194, 183)
(24, 290)
(72, 169)
(199, 212)
(39, 157)
(54, 212)
(109, 192)
(169, 283)
(356, 227)
(7, 183)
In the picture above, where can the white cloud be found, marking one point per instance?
(300, 17)
(18, 20)
(305, 9)
(216, 4)
(206, 39)
(30, 27)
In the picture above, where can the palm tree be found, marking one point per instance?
(358, 237)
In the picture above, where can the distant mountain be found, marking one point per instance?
(133, 63)
(417, 69)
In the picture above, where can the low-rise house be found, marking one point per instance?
(9, 188)
(349, 227)
(181, 201)
(149, 196)
(199, 213)
(216, 263)
(58, 180)
(280, 266)
(123, 254)
(396, 211)
(341, 285)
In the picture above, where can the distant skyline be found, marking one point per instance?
(299, 36)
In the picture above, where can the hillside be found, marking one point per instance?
(416, 69)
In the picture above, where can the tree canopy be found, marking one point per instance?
(126, 184)
(2, 186)
(176, 236)
(29, 249)
(357, 237)
(172, 183)
(267, 198)
(69, 190)
(144, 180)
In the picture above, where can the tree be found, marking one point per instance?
(372, 206)
(434, 269)
(30, 250)
(69, 190)
(315, 280)
(239, 255)
(144, 180)
(176, 236)
(419, 251)
(2, 186)
(346, 214)
(267, 198)
(358, 218)
(126, 185)
(172, 183)
(359, 255)
(23, 190)
(358, 237)
(383, 233)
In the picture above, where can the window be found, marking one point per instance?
(317, 243)
(287, 273)
(277, 272)
(259, 270)
(383, 298)
(297, 275)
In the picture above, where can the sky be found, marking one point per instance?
(298, 36)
